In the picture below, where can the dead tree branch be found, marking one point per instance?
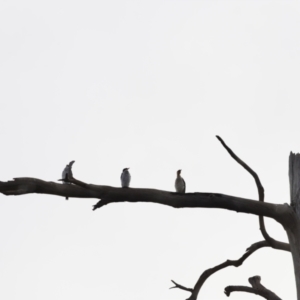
(25, 185)
(207, 273)
(280, 246)
(281, 213)
(261, 195)
(269, 242)
(107, 194)
(257, 289)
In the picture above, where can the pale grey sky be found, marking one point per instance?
(145, 85)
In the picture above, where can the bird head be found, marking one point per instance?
(71, 163)
(178, 172)
(125, 169)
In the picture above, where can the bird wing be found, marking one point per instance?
(183, 185)
(64, 173)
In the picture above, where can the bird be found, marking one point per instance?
(125, 178)
(67, 173)
(179, 183)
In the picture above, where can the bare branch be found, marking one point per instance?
(261, 194)
(281, 246)
(115, 195)
(109, 194)
(178, 286)
(25, 185)
(236, 263)
(257, 289)
(246, 167)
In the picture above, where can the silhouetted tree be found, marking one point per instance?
(288, 215)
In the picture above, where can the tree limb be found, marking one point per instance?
(20, 186)
(26, 185)
(261, 195)
(107, 194)
(207, 273)
(257, 289)
(281, 246)
(269, 242)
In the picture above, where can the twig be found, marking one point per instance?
(179, 286)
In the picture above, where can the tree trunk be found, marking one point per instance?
(293, 231)
(294, 239)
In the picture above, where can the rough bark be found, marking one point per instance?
(294, 176)
(294, 231)
(257, 289)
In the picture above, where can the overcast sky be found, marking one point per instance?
(145, 85)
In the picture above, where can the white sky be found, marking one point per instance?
(145, 85)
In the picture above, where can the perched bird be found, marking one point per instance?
(67, 173)
(125, 178)
(179, 183)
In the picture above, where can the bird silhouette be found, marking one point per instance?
(125, 178)
(67, 173)
(179, 183)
